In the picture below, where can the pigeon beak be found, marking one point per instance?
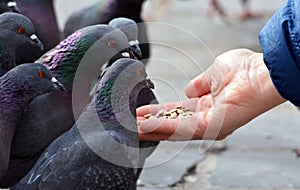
(58, 85)
(12, 5)
(36, 41)
(137, 52)
(149, 84)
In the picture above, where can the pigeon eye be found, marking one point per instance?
(112, 44)
(21, 30)
(140, 71)
(41, 74)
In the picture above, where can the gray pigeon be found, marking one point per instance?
(51, 114)
(101, 151)
(106, 10)
(18, 87)
(8, 6)
(146, 96)
(15, 31)
(42, 15)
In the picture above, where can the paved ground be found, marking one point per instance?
(185, 42)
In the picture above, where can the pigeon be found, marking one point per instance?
(16, 31)
(106, 10)
(42, 14)
(8, 6)
(102, 154)
(146, 96)
(51, 114)
(18, 87)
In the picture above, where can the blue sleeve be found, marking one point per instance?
(280, 42)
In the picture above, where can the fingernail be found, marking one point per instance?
(146, 127)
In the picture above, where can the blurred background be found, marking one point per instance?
(186, 37)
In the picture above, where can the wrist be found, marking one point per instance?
(265, 90)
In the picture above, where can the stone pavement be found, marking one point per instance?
(185, 40)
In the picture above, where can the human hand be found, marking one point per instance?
(234, 90)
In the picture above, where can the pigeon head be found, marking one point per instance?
(33, 79)
(130, 29)
(8, 6)
(117, 92)
(16, 31)
(117, 46)
(89, 47)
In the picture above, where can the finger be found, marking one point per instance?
(199, 86)
(157, 125)
(174, 129)
(190, 104)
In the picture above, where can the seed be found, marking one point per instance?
(189, 113)
(147, 116)
(180, 111)
(180, 116)
(160, 113)
(167, 113)
(173, 110)
(173, 115)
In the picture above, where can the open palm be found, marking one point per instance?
(234, 90)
